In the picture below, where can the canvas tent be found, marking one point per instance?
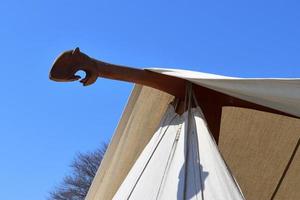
(259, 147)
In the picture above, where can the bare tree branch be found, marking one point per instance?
(84, 168)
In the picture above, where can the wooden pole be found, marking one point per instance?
(211, 101)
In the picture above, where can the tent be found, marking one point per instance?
(260, 146)
(256, 145)
(181, 161)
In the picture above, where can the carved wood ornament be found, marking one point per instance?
(211, 102)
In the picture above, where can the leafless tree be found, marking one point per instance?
(76, 185)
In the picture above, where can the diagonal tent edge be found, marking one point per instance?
(118, 162)
(288, 165)
(260, 157)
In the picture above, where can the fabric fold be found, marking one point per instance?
(180, 163)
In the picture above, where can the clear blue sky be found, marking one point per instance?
(43, 124)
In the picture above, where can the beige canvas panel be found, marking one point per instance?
(114, 142)
(257, 146)
(290, 187)
(132, 134)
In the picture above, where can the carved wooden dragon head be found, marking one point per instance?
(70, 62)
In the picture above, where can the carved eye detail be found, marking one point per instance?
(76, 51)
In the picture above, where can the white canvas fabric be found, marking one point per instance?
(277, 93)
(181, 161)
